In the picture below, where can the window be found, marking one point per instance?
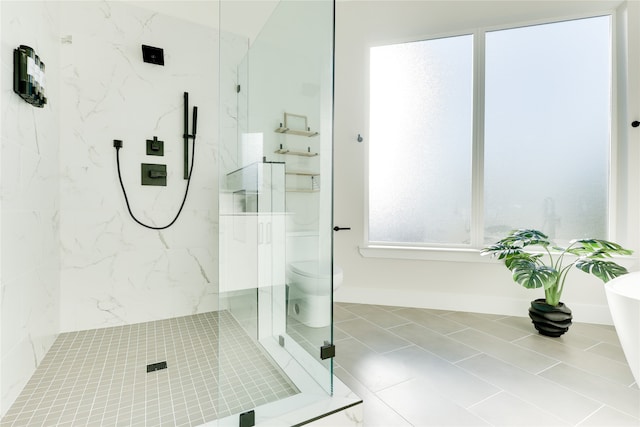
(474, 135)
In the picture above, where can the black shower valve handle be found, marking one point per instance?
(336, 228)
(635, 123)
(157, 174)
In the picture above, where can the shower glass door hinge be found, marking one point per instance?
(327, 351)
(281, 340)
(248, 419)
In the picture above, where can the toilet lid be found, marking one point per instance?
(310, 269)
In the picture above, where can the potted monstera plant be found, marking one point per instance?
(536, 263)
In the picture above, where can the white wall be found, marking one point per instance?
(113, 270)
(59, 178)
(481, 286)
(29, 209)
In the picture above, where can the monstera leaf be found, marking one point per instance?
(603, 270)
(532, 275)
(501, 250)
(595, 248)
(545, 265)
(518, 239)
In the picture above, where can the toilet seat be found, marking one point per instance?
(310, 269)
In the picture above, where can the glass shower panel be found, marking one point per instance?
(290, 88)
(275, 213)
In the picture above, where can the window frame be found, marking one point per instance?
(470, 252)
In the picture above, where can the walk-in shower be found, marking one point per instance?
(196, 323)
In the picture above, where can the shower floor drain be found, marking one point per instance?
(156, 366)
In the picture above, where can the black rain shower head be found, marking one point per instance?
(152, 55)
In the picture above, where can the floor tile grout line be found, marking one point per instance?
(506, 342)
(602, 405)
(376, 396)
(471, 356)
(133, 339)
(558, 363)
(84, 360)
(604, 377)
(487, 398)
(58, 369)
(84, 357)
(189, 365)
(171, 395)
(583, 395)
(146, 360)
(181, 395)
(202, 371)
(113, 373)
(66, 354)
(560, 384)
(502, 391)
(593, 346)
(551, 379)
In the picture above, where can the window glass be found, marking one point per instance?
(546, 144)
(547, 129)
(421, 100)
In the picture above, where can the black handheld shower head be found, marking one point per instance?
(195, 122)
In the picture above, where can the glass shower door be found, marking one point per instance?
(288, 80)
(276, 189)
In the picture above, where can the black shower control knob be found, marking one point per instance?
(336, 228)
(635, 123)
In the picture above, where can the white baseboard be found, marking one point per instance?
(587, 313)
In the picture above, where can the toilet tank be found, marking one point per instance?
(302, 246)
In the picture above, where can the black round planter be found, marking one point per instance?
(550, 320)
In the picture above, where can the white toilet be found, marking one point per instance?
(308, 280)
(310, 292)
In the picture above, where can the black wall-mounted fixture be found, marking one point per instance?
(153, 174)
(28, 76)
(186, 136)
(152, 367)
(152, 55)
(327, 351)
(155, 147)
(248, 419)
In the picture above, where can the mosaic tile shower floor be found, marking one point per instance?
(99, 377)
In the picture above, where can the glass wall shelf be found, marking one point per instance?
(310, 186)
(296, 132)
(302, 173)
(295, 153)
(295, 124)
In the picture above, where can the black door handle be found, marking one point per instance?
(336, 228)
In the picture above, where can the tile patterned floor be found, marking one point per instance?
(412, 367)
(99, 377)
(419, 367)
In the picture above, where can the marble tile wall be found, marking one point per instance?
(71, 257)
(29, 202)
(114, 271)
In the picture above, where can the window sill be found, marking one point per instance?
(423, 253)
(454, 254)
